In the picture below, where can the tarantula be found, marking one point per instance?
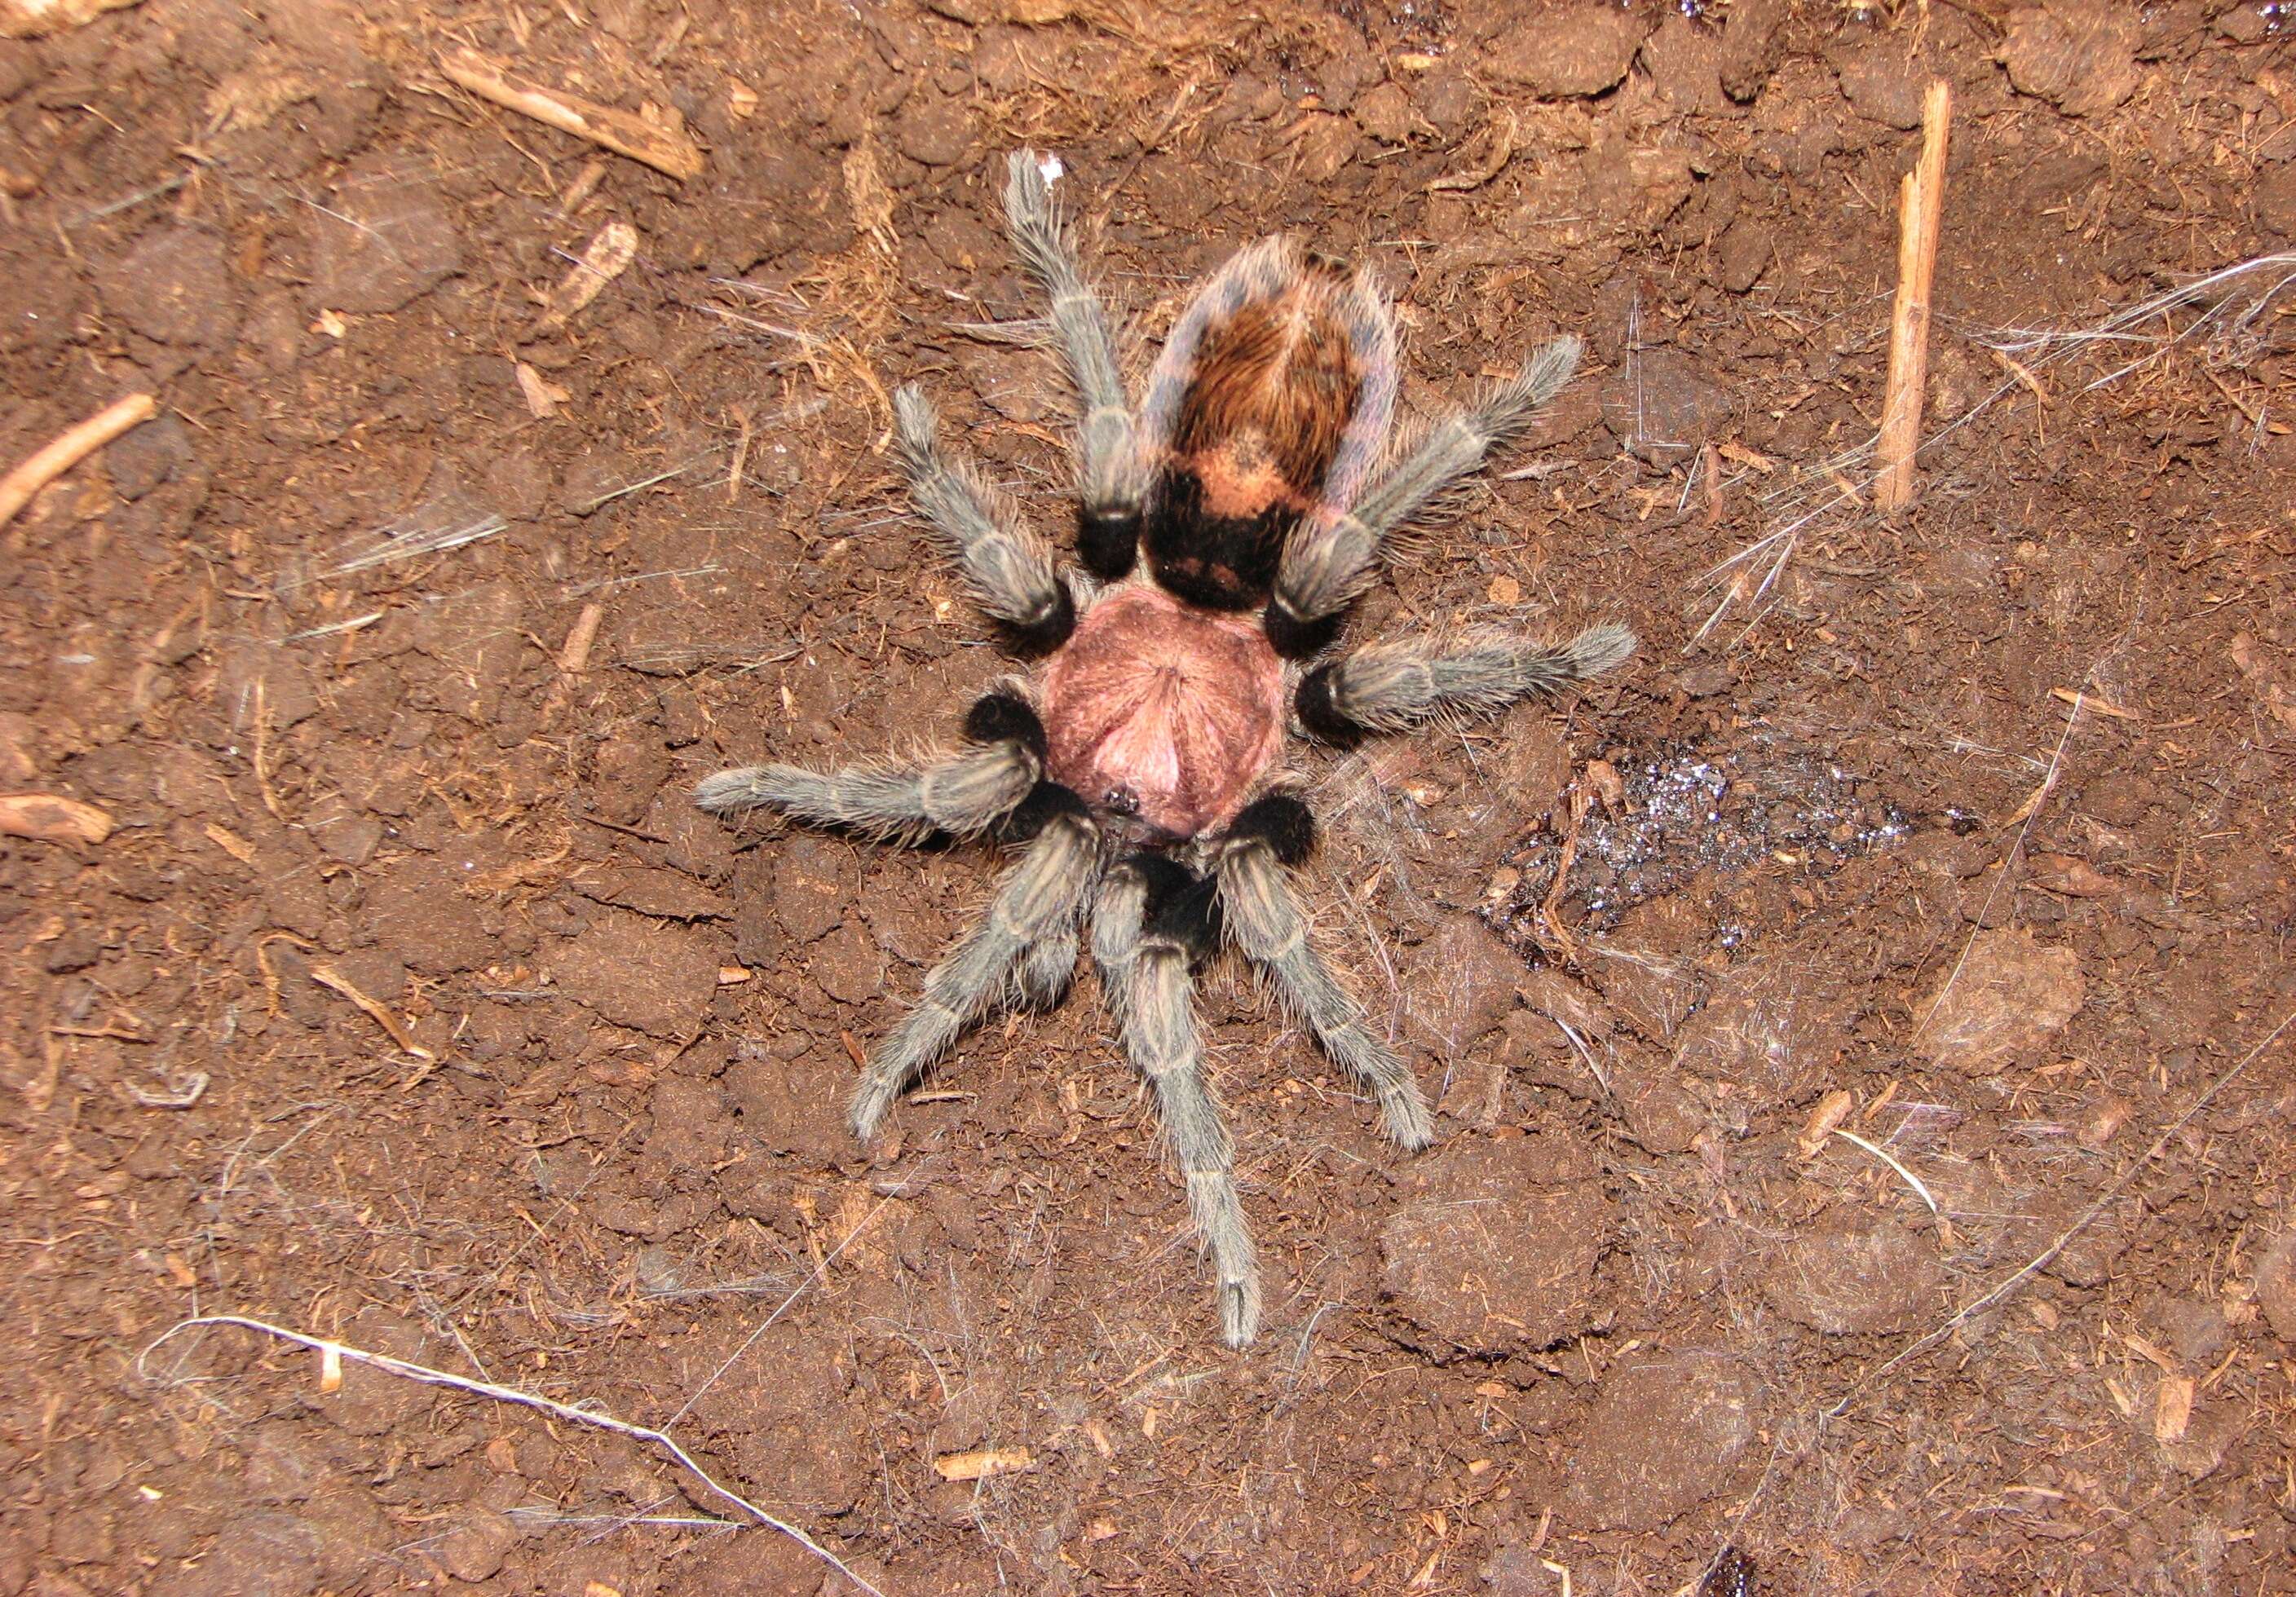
(1228, 528)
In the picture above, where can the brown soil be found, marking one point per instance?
(410, 1003)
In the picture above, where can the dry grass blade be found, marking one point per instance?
(433, 529)
(819, 1271)
(331, 1355)
(1921, 1188)
(335, 981)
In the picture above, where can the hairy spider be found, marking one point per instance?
(1227, 528)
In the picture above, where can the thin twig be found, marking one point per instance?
(663, 149)
(69, 448)
(331, 1353)
(2233, 310)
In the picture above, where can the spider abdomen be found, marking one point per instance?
(1269, 404)
(1161, 712)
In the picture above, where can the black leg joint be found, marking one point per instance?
(1005, 717)
(1295, 639)
(1047, 802)
(1320, 713)
(1048, 632)
(1108, 541)
(1281, 821)
(1183, 908)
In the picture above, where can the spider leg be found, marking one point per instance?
(1264, 917)
(1042, 978)
(962, 794)
(1331, 560)
(1154, 919)
(1395, 685)
(1040, 894)
(1108, 477)
(1006, 565)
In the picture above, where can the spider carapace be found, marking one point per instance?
(1227, 527)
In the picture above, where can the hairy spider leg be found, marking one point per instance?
(1263, 917)
(1041, 895)
(1396, 685)
(1004, 562)
(960, 794)
(1109, 476)
(1153, 921)
(1328, 566)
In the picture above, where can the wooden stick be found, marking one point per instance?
(1921, 203)
(574, 656)
(71, 447)
(664, 148)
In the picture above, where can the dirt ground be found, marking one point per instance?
(1866, 1170)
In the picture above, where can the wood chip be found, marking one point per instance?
(331, 1367)
(48, 819)
(607, 257)
(231, 843)
(664, 148)
(867, 193)
(2172, 1408)
(2147, 1350)
(1740, 454)
(574, 655)
(1602, 777)
(2072, 876)
(1832, 1111)
(543, 397)
(980, 1464)
(1505, 590)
